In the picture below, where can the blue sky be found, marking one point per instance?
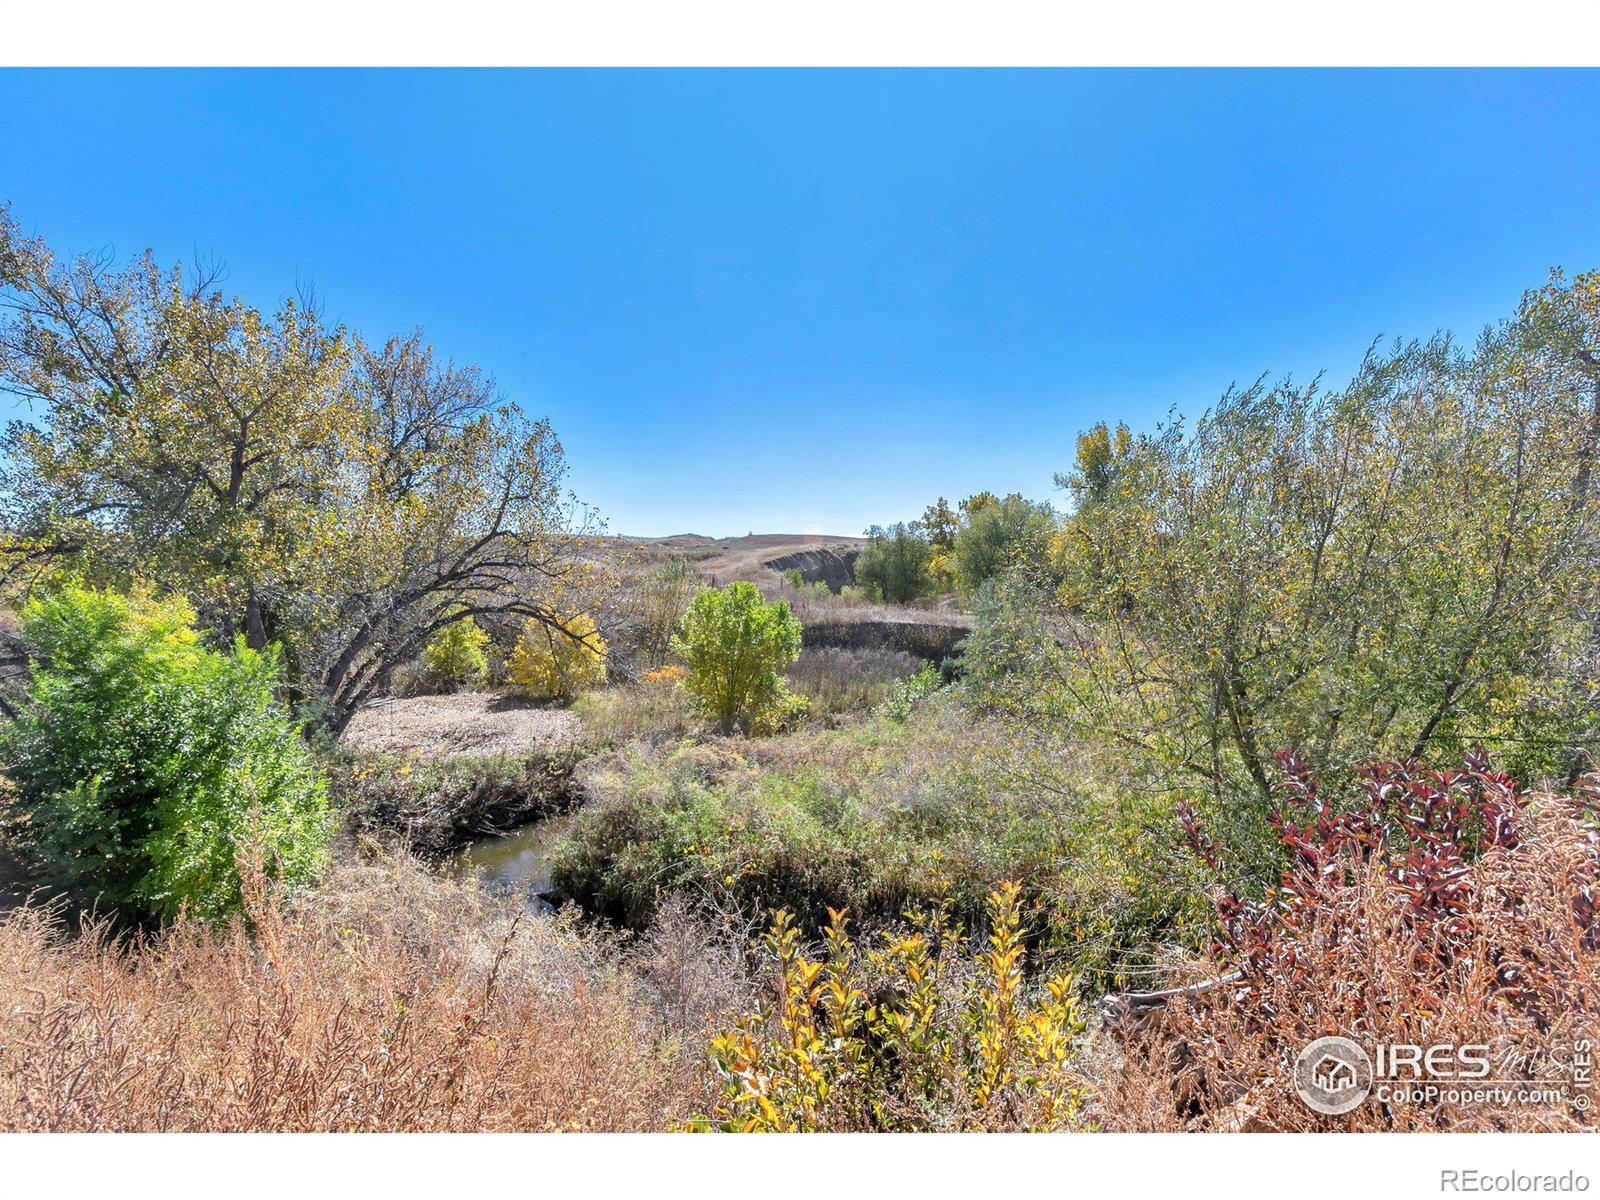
(810, 301)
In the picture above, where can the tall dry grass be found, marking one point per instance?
(389, 1000)
(649, 709)
(838, 680)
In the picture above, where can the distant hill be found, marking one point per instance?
(929, 630)
(760, 557)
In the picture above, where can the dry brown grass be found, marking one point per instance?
(389, 1000)
(837, 680)
(476, 724)
(1522, 977)
(637, 710)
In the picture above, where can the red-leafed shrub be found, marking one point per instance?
(1441, 908)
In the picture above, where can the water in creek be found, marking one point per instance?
(517, 862)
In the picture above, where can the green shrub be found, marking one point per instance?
(905, 694)
(794, 580)
(1015, 653)
(696, 820)
(736, 646)
(786, 712)
(143, 765)
(455, 654)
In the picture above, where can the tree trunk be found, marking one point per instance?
(255, 628)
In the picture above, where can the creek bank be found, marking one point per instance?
(932, 640)
(438, 806)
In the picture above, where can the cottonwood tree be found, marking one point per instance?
(893, 565)
(737, 646)
(294, 482)
(941, 523)
(1000, 535)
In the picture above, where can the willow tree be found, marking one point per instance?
(1402, 568)
(294, 482)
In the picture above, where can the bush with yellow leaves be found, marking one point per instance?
(917, 1033)
(559, 659)
(455, 654)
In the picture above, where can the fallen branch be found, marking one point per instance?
(1124, 1005)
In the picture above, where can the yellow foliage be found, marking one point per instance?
(558, 660)
(665, 676)
(917, 1033)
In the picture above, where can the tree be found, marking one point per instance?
(557, 660)
(1401, 568)
(455, 654)
(736, 647)
(292, 481)
(143, 765)
(655, 608)
(1101, 454)
(1104, 460)
(941, 524)
(893, 566)
(975, 504)
(999, 536)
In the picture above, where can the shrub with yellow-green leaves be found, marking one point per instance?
(556, 661)
(918, 1032)
(142, 764)
(455, 654)
(737, 646)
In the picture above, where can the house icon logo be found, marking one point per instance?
(1332, 1075)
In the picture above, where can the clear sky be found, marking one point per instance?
(810, 301)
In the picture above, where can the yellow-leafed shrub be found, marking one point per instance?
(557, 663)
(455, 654)
(918, 1032)
(665, 676)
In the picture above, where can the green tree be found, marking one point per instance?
(455, 654)
(1001, 535)
(142, 765)
(737, 647)
(976, 503)
(940, 523)
(893, 565)
(1101, 453)
(1097, 481)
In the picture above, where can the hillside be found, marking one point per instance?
(760, 558)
